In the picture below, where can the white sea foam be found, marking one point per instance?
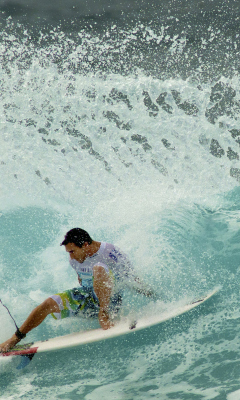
(97, 150)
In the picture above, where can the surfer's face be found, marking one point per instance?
(77, 253)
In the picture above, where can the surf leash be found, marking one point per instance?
(18, 333)
(9, 313)
(25, 359)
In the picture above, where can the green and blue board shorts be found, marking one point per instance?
(83, 301)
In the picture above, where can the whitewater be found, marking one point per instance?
(131, 133)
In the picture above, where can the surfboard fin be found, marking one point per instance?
(25, 360)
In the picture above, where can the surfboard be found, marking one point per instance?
(96, 335)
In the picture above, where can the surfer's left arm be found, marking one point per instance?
(103, 285)
(142, 288)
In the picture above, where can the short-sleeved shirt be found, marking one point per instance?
(112, 259)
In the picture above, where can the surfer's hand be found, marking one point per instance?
(6, 346)
(145, 289)
(148, 293)
(104, 319)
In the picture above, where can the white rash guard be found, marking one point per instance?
(113, 260)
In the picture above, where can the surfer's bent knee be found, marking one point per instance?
(50, 305)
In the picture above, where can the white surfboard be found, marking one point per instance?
(96, 335)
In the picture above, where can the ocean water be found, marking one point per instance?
(123, 118)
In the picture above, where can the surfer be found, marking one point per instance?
(103, 272)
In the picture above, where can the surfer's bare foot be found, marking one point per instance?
(6, 346)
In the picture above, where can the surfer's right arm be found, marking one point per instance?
(102, 285)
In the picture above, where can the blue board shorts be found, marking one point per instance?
(82, 301)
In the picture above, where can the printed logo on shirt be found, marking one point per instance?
(113, 257)
(114, 254)
(85, 270)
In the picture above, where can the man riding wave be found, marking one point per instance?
(103, 272)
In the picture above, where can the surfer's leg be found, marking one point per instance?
(34, 319)
(39, 314)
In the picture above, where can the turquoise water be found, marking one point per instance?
(132, 133)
